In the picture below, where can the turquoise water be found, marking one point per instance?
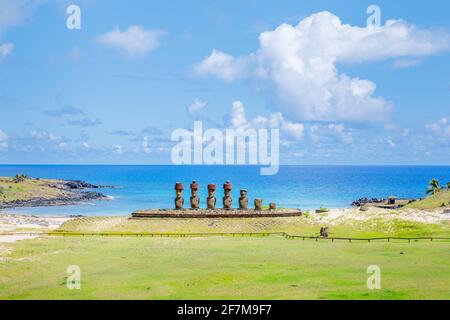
(307, 187)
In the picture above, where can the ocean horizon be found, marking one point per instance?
(295, 186)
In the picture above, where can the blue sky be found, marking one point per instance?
(113, 91)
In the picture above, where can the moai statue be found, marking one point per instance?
(272, 206)
(324, 232)
(243, 200)
(211, 200)
(179, 201)
(195, 200)
(258, 204)
(227, 199)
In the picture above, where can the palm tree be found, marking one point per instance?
(433, 187)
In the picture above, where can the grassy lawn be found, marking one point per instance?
(440, 199)
(223, 268)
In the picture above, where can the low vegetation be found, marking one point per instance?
(437, 200)
(21, 187)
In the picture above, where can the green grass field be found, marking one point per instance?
(230, 267)
(223, 268)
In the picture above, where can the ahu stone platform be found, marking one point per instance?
(214, 213)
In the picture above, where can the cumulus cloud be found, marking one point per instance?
(134, 42)
(223, 66)
(196, 108)
(237, 120)
(299, 63)
(441, 128)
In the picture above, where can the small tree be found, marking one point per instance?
(19, 178)
(448, 185)
(433, 187)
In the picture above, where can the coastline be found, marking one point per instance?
(63, 193)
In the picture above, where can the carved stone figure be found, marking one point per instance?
(272, 206)
(243, 200)
(211, 200)
(179, 201)
(195, 200)
(324, 232)
(258, 204)
(227, 199)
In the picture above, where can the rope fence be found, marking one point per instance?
(222, 234)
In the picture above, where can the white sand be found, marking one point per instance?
(338, 216)
(20, 225)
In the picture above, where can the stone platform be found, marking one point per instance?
(214, 213)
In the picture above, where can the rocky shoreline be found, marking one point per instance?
(71, 194)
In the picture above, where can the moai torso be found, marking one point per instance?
(211, 200)
(227, 199)
(243, 200)
(179, 201)
(195, 200)
(258, 204)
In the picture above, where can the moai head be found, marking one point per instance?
(272, 206)
(227, 187)
(243, 194)
(179, 201)
(194, 188)
(258, 204)
(211, 190)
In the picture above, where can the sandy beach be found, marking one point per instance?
(19, 225)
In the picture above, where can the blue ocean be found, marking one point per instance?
(306, 187)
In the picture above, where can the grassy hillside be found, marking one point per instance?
(438, 200)
(27, 189)
(222, 268)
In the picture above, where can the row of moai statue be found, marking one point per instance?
(211, 200)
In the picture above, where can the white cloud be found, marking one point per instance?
(117, 149)
(391, 143)
(135, 41)
(238, 120)
(300, 65)
(346, 136)
(441, 128)
(5, 49)
(146, 145)
(223, 66)
(3, 136)
(3, 140)
(14, 13)
(406, 63)
(196, 107)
